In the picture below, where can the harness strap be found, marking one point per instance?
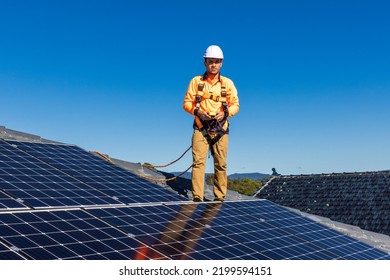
(204, 126)
(223, 98)
(212, 141)
(217, 98)
(224, 94)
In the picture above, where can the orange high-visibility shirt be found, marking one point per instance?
(209, 105)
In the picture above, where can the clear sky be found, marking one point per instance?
(313, 78)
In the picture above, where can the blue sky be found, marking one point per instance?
(313, 78)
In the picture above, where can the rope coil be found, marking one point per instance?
(165, 180)
(161, 166)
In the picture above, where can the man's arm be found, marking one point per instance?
(189, 99)
(234, 105)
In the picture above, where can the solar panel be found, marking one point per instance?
(259, 235)
(309, 231)
(99, 173)
(174, 234)
(71, 234)
(38, 184)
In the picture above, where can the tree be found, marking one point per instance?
(244, 186)
(210, 179)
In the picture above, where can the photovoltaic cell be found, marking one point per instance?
(174, 234)
(72, 234)
(38, 184)
(7, 202)
(7, 254)
(97, 172)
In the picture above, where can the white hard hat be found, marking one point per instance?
(213, 51)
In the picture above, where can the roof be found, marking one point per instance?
(361, 199)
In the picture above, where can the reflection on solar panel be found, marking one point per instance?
(176, 231)
(176, 235)
(99, 173)
(270, 240)
(72, 234)
(214, 231)
(37, 184)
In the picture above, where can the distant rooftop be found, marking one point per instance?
(361, 199)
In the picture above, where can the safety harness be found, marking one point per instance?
(207, 127)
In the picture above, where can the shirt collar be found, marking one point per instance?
(205, 76)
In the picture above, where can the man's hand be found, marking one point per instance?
(220, 116)
(204, 116)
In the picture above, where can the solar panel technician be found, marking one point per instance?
(212, 99)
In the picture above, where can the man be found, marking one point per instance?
(212, 99)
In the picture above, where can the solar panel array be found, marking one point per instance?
(175, 234)
(60, 202)
(57, 175)
(71, 235)
(37, 184)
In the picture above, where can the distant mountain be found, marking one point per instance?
(253, 176)
(186, 175)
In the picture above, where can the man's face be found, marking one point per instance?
(213, 65)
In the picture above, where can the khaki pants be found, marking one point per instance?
(200, 149)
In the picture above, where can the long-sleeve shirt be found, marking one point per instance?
(209, 105)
